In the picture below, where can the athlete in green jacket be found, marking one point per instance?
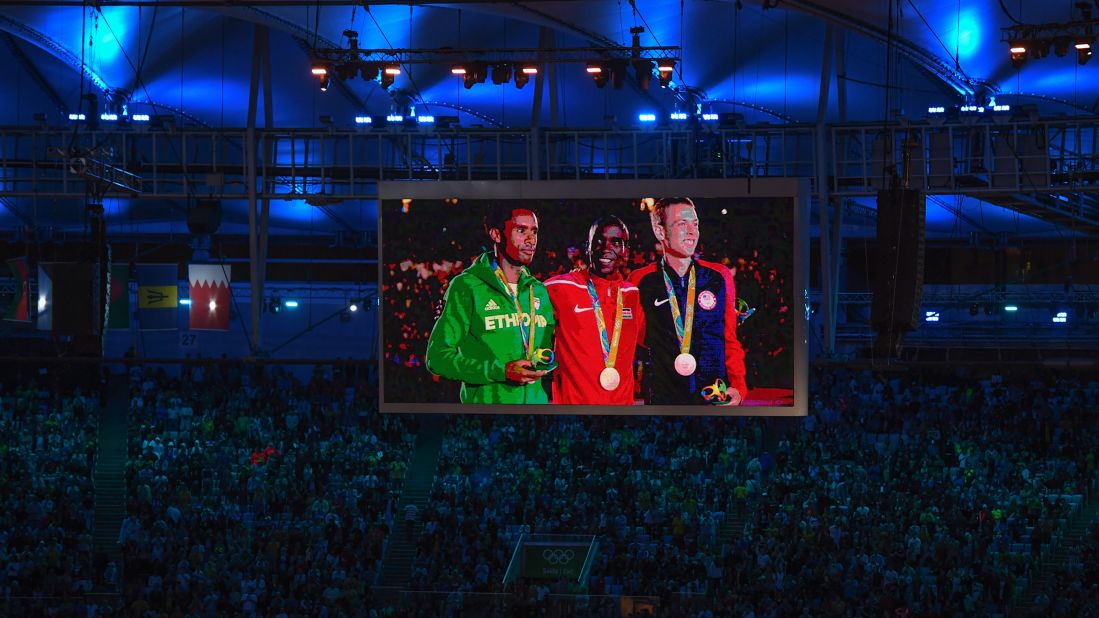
(482, 338)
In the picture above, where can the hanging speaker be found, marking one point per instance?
(204, 217)
(898, 274)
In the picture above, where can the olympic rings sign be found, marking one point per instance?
(558, 556)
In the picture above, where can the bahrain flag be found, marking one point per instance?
(209, 296)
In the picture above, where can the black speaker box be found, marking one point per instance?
(204, 217)
(899, 264)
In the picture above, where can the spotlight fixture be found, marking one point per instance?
(598, 73)
(471, 73)
(666, 67)
(618, 73)
(475, 73)
(323, 74)
(346, 71)
(1060, 45)
(501, 73)
(644, 71)
(1040, 48)
(522, 76)
(389, 73)
(1083, 48)
(1018, 53)
(370, 70)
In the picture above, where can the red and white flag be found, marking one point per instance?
(209, 296)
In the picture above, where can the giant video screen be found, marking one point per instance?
(668, 297)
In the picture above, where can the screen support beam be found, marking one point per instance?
(828, 340)
(257, 230)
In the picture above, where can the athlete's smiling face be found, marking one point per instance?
(608, 249)
(519, 238)
(680, 230)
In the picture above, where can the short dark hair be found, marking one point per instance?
(663, 204)
(498, 212)
(602, 222)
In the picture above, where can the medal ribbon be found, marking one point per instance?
(526, 338)
(683, 326)
(610, 348)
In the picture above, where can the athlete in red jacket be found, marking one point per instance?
(599, 318)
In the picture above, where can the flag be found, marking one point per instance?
(157, 296)
(45, 297)
(209, 296)
(20, 310)
(119, 296)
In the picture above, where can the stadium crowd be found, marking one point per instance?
(1075, 592)
(262, 493)
(646, 492)
(47, 454)
(897, 495)
(254, 493)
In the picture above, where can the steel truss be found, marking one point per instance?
(1047, 167)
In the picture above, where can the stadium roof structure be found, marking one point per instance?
(205, 65)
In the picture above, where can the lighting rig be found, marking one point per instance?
(1036, 40)
(94, 166)
(476, 66)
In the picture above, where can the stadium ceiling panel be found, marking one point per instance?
(193, 60)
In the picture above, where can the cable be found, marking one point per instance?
(83, 68)
(679, 65)
(736, 48)
(316, 23)
(894, 192)
(223, 80)
(932, 30)
(1003, 8)
(682, 41)
(958, 40)
(785, 65)
(141, 82)
(148, 42)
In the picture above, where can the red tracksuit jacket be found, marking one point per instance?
(577, 348)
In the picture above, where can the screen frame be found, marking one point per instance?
(796, 189)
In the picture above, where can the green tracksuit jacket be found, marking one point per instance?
(478, 334)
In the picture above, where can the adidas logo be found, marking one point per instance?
(492, 306)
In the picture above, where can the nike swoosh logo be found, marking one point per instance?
(657, 303)
(579, 309)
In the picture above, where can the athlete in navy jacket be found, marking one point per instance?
(690, 317)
